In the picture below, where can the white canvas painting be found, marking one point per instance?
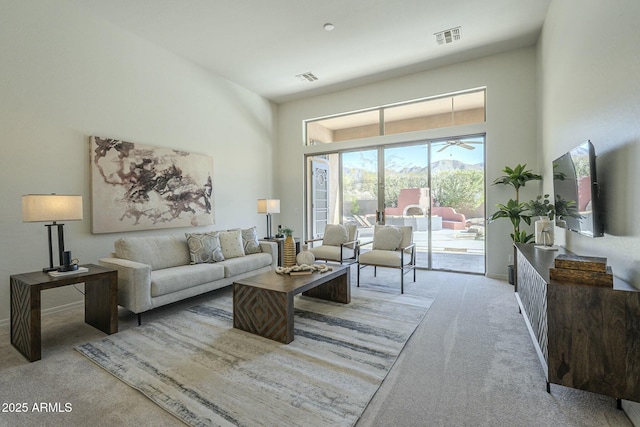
(141, 187)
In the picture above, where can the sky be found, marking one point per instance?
(398, 158)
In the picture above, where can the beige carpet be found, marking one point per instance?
(469, 363)
(195, 365)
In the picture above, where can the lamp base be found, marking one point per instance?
(71, 267)
(48, 269)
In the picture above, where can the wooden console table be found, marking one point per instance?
(587, 337)
(100, 304)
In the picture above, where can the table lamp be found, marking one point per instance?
(52, 207)
(268, 206)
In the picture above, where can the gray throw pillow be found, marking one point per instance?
(204, 247)
(250, 242)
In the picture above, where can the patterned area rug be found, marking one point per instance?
(196, 366)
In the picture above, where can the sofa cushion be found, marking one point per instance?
(331, 252)
(171, 280)
(335, 235)
(204, 247)
(250, 242)
(231, 243)
(235, 266)
(383, 258)
(157, 251)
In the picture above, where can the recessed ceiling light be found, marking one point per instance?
(328, 26)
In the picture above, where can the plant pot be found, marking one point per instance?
(544, 231)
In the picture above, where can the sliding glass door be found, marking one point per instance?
(437, 187)
(457, 213)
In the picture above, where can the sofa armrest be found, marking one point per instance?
(270, 248)
(134, 283)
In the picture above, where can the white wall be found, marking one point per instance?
(590, 89)
(65, 76)
(510, 79)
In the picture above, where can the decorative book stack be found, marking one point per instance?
(581, 270)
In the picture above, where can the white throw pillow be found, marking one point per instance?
(231, 243)
(387, 238)
(335, 235)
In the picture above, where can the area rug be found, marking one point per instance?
(197, 367)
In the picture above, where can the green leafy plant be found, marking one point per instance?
(514, 210)
(287, 231)
(541, 206)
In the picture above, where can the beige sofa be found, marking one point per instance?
(159, 270)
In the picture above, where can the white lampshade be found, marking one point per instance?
(268, 206)
(51, 207)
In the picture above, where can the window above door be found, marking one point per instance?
(422, 114)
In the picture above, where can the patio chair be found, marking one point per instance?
(339, 244)
(393, 247)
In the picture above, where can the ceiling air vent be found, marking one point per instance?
(449, 36)
(307, 77)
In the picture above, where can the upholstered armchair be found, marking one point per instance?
(393, 247)
(339, 244)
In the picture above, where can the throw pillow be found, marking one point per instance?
(387, 238)
(249, 240)
(335, 235)
(204, 247)
(231, 243)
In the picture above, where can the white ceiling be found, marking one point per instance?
(263, 44)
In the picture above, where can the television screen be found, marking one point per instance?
(575, 190)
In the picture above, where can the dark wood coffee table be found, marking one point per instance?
(263, 304)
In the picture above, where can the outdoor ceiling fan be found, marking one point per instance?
(457, 143)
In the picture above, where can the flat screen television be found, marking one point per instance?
(576, 191)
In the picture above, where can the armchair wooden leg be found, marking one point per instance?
(402, 280)
(358, 280)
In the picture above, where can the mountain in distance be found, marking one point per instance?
(447, 164)
(439, 165)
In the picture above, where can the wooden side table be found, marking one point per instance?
(100, 304)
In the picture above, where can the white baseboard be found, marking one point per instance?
(504, 277)
(632, 409)
(48, 311)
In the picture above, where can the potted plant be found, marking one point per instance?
(542, 208)
(515, 210)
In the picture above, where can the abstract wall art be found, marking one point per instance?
(141, 187)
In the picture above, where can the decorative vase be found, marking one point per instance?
(305, 257)
(544, 231)
(289, 252)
